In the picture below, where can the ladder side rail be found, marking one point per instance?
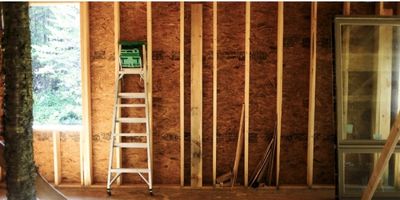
(149, 164)
(112, 138)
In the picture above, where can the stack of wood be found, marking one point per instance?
(266, 165)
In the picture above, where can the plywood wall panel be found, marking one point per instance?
(295, 93)
(187, 78)
(207, 93)
(166, 93)
(262, 79)
(43, 153)
(362, 8)
(70, 155)
(231, 32)
(102, 84)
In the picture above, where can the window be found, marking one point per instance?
(368, 83)
(55, 37)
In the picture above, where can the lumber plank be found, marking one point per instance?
(196, 94)
(311, 99)
(383, 90)
(118, 160)
(56, 157)
(272, 161)
(346, 8)
(215, 87)
(264, 165)
(383, 160)
(247, 94)
(86, 133)
(239, 147)
(259, 170)
(279, 78)
(149, 25)
(223, 178)
(182, 90)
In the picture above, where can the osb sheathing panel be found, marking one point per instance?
(262, 80)
(325, 136)
(362, 8)
(43, 153)
(231, 28)
(102, 73)
(207, 92)
(70, 154)
(187, 93)
(166, 93)
(296, 56)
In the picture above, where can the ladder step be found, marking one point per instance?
(132, 95)
(131, 71)
(130, 170)
(132, 105)
(131, 134)
(131, 145)
(132, 120)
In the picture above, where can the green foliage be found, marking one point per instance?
(56, 64)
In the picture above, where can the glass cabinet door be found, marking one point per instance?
(368, 98)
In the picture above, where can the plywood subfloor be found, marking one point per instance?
(198, 194)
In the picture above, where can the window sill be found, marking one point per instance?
(56, 128)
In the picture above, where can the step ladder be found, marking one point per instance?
(117, 135)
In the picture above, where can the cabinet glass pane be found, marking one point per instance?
(369, 80)
(358, 168)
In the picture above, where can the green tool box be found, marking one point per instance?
(131, 54)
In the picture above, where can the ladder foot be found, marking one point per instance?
(109, 192)
(151, 192)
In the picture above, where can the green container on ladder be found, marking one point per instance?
(131, 54)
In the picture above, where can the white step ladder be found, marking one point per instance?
(116, 135)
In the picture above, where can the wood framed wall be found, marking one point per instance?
(86, 157)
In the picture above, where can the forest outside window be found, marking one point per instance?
(55, 39)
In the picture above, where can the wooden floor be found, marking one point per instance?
(197, 194)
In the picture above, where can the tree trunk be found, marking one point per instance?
(21, 172)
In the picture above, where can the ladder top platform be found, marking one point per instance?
(132, 43)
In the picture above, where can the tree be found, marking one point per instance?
(17, 67)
